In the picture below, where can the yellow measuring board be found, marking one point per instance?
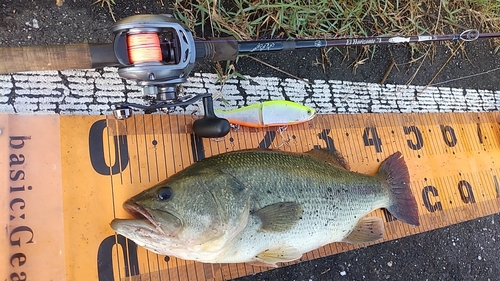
(67, 177)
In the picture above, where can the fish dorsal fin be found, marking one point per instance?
(270, 257)
(279, 217)
(331, 157)
(367, 230)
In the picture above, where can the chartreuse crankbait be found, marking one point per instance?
(268, 113)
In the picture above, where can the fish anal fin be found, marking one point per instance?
(262, 264)
(279, 217)
(331, 157)
(270, 257)
(367, 230)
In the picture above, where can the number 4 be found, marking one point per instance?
(370, 138)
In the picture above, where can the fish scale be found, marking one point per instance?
(266, 206)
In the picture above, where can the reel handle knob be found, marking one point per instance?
(210, 126)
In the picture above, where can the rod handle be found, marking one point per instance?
(36, 58)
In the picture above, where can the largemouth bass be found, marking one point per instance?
(264, 206)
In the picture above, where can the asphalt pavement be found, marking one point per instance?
(466, 251)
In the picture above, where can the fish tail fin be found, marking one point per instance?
(402, 202)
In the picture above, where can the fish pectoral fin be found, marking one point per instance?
(367, 230)
(270, 257)
(331, 157)
(279, 217)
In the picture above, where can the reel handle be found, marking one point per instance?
(210, 126)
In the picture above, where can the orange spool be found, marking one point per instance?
(144, 47)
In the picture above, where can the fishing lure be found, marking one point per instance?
(268, 113)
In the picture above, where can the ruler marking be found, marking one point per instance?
(399, 137)
(130, 163)
(485, 179)
(476, 131)
(219, 274)
(434, 206)
(495, 131)
(148, 264)
(145, 147)
(235, 270)
(452, 186)
(240, 270)
(370, 136)
(138, 155)
(461, 188)
(355, 140)
(192, 147)
(497, 186)
(160, 266)
(482, 197)
(436, 138)
(396, 143)
(444, 188)
(414, 139)
(248, 137)
(351, 147)
(441, 137)
(200, 271)
(163, 145)
(208, 270)
(228, 271)
(423, 127)
(182, 270)
(469, 129)
(154, 143)
(353, 143)
(180, 144)
(472, 188)
(495, 137)
(113, 204)
(482, 131)
(118, 138)
(169, 146)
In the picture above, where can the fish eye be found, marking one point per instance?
(165, 193)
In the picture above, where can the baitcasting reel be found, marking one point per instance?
(158, 53)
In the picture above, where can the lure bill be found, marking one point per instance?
(268, 114)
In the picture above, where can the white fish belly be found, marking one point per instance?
(321, 224)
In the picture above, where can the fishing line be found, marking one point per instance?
(465, 77)
(144, 47)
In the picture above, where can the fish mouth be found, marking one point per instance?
(144, 215)
(140, 213)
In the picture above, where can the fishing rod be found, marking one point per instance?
(158, 52)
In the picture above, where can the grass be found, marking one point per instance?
(318, 18)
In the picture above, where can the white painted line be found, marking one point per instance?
(93, 92)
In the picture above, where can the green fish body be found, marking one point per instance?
(266, 206)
